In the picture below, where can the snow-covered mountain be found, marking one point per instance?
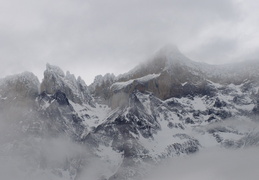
(118, 127)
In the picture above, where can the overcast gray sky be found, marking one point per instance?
(91, 37)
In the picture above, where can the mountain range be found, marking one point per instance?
(119, 127)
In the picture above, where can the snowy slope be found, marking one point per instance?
(121, 85)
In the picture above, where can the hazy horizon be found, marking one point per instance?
(97, 37)
(88, 81)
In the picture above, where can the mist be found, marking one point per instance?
(213, 164)
(27, 156)
(216, 162)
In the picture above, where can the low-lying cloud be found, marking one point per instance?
(210, 164)
(28, 156)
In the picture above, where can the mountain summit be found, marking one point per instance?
(163, 74)
(162, 60)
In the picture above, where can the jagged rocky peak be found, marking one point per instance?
(56, 80)
(99, 80)
(53, 79)
(20, 86)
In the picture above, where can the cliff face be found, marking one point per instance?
(168, 74)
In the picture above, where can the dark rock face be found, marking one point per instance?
(189, 121)
(190, 147)
(219, 103)
(61, 98)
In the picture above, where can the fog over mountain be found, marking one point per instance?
(90, 37)
(169, 117)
